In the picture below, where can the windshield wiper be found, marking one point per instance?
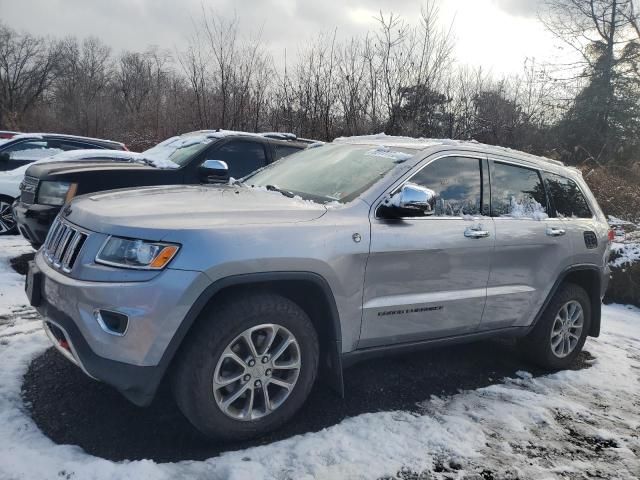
(273, 188)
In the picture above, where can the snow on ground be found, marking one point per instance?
(628, 253)
(573, 424)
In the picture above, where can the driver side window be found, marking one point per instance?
(457, 183)
(242, 157)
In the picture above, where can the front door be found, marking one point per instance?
(426, 276)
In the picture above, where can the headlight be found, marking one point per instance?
(140, 254)
(56, 193)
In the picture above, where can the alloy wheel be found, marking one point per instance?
(257, 372)
(7, 222)
(567, 329)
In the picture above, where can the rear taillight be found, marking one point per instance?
(124, 147)
(612, 235)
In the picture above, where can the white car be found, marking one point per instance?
(10, 180)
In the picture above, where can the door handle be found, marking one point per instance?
(555, 232)
(475, 233)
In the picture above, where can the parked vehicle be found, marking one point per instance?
(178, 160)
(29, 147)
(11, 180)
(366, 246)
(7, 134)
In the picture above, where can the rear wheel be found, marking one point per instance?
(8, 224)
(247, 367)
(562, 330)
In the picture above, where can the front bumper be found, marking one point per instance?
(133, 363)
(34, 220)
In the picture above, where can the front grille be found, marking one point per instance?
(28, 189)
(63, 244)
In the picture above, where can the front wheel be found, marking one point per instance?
(247, 367)
(8, 224)
(562, 330)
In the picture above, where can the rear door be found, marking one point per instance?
(426, 276)
(531, 249)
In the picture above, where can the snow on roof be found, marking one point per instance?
(225, 133)
(390, 141)
(423, 143)
(79, 155)
(61, 135)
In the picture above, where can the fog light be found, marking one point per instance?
(113, 323)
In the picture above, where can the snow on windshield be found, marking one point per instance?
(386, 152)
(164, 154)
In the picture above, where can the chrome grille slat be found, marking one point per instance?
(69, 253)
(66, 236)
(57, 239)
(52, 233)
(63, 244)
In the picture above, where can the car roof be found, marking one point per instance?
(274, 137)
(63, 136)
(422, 144)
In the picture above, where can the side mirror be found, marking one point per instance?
(214, 171)
(414, 197)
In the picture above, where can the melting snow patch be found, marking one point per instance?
(386, 152)
(627, 253)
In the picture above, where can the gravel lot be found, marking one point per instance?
(70, 408)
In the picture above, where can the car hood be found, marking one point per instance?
(51, 169)
(152, 211)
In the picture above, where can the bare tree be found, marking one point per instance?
(27, 68)
(84, 73)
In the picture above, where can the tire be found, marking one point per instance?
(200, 362)
(8, 224)
(539, 344)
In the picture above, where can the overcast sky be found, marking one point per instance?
(497, 34)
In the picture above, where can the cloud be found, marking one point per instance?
(521, 8)
(285, 25)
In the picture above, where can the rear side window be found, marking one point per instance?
(517, 192)
(284, 150)
(67, 145)
(243, 157)
(457, 184)
(566, 197)
(30, 150)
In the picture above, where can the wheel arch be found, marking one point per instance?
(309, 290)
(588, 277)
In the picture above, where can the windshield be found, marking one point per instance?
(176, 151)
(331, 172)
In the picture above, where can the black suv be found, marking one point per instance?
(205, 156)
(29, 147)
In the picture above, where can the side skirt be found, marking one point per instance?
(351, 358)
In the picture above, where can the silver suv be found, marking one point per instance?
(243, 294)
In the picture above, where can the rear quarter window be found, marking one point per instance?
(285, 150)
(566, 197)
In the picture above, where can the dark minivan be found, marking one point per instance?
(203, 156)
